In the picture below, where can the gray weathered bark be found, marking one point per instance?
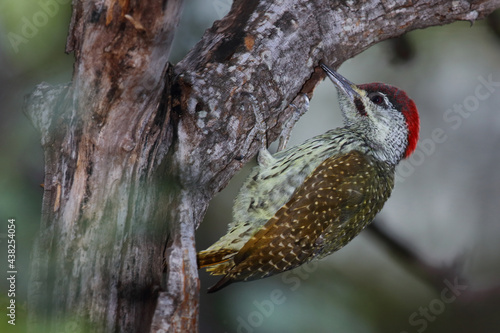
(134, 151)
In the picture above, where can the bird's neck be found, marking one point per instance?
(349, 138)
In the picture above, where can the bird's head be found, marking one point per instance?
(385, 115)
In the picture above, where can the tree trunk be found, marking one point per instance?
(135, 149)
(98, 261)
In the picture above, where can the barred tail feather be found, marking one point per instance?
(217, 262)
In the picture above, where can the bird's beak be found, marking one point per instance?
(346, 86)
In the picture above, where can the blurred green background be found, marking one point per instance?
(445, 207)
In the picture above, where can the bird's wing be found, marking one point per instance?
(329, 197)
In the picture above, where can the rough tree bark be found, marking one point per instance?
(135, 149)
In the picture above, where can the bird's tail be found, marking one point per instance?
(217, 262)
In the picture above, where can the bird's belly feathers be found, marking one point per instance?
(270, 186)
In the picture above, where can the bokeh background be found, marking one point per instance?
(445, 207)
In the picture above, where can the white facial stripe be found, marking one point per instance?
(386, 101)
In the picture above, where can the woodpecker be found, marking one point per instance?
(309, 201)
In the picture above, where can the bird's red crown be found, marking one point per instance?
(405, 105)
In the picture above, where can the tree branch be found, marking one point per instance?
(259, 59)
(414, 263)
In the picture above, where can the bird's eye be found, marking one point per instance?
(377, 99)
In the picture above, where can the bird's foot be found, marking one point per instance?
(300, 105)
